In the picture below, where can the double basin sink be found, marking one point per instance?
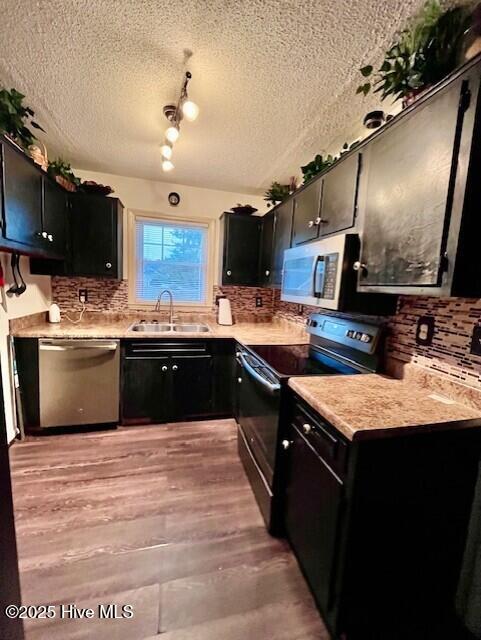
(157, 327)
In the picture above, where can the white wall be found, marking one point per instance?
(36, 298)
(152, 196)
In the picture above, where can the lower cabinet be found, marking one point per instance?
(167, 380)
(379, 526)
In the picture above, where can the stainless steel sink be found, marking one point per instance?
(191, 328)
(150, 327)
(155, 327)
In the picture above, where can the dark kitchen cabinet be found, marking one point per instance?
(241, 245)
(94, 239)
(339, 196)
(307, 204)
(145, 388)
(267, 245)
(170, 379)
(312, 507)
(22, 199)
(379, 524)
(96, 236)
(423, 181)
(282, 239)
(54, 216)
(191, 385)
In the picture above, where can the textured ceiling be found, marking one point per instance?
(275, 80)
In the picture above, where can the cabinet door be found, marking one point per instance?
(22, 199)
(306, 213)
(94, 228)
(54, 216)
(241, 250)
(339, 196)
(407, 198)
(313, 498)
(282, 239)
(267, 241)
(192, 386)
(145, 393)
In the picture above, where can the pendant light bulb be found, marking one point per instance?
(190, 110)
(166, 151)
(172, 133)
(167, 165)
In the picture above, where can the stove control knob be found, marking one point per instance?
(306, 428)
(285, 444)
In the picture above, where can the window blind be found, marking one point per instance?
(170, 255)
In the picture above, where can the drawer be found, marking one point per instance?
(322, 437)
(162, 348)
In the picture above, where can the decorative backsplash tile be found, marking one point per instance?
(113, 295)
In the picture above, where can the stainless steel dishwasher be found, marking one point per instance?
(78, 382)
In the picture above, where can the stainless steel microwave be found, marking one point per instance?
(322, 274)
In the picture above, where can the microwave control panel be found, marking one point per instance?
(331, 262)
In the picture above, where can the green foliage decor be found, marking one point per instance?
(15, 116)
(59, 167)
(316, 166)
(426, 51)
(276, 193)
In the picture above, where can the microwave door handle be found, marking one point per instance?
(315, 291)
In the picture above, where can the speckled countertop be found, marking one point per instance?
(371, 406)
(250, 333)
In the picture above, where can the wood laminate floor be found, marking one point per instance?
(161, 518)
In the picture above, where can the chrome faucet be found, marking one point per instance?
(171, 304)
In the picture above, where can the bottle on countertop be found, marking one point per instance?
(54, 313)
(224, 312)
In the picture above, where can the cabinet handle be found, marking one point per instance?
(174, 367)
(306, 427)
(286, 444)
(50, 237)
(44, 234)
(267, 272)
(359, 266)
(108, 265)
(229, 272)
(310, 224)
(321, 221)
(165, 367)
(239, 380)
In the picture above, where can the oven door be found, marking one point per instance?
(259, 403)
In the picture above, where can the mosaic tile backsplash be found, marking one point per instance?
(449, 353)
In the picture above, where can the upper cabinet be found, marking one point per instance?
(266, 248)
(420, 216)
(22, 199)
(241, 244)
(96, 236)
(307, 204)
(281, 239)
(34, 207)
(339, 196)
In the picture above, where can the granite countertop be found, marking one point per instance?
(249, 333)
(371, 406)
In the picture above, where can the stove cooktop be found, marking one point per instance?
(300, 360)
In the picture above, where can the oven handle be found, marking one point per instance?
(269, 386)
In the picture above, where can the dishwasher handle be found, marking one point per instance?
(269, 386)
(71, 346)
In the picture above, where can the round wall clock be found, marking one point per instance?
(174, 198)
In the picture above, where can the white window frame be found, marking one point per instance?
(209, 223)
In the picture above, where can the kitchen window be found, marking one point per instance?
(171, 254)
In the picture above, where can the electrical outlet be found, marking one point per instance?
(476, 341)
(83, 295)
(258, 301)
(425, 330)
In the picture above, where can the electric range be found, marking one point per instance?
(337, 346)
